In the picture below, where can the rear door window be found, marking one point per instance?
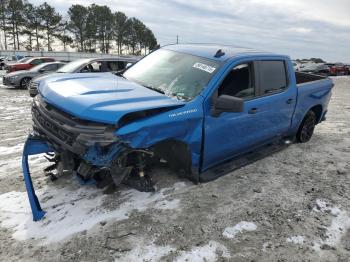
(272, 77)
(115, 66)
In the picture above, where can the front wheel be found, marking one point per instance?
(307, 127)
(25, 83)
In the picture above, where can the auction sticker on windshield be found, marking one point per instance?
(204, 67)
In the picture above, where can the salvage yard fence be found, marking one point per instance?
(58, 55)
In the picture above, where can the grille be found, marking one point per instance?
(49, 125)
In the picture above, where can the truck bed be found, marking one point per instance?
(302, 78)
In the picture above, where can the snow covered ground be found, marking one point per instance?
(291, 206)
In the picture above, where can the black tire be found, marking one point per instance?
(25, 82)
(307, 127)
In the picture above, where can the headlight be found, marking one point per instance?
(14, 77)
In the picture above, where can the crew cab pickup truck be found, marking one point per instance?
(196, 107)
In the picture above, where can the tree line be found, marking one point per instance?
(86, 28)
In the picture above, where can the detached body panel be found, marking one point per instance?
(33, 146)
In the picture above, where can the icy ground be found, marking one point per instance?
(291, 206)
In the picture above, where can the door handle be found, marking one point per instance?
(253, 111)
(290, 100)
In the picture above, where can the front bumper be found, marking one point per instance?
(8, 81)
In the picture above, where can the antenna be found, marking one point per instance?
(219, 53)
(177, 39)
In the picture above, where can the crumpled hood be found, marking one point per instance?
(100, 97)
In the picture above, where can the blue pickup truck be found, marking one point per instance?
(196, 107)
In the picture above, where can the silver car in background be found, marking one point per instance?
(22, 78)
(89, 65)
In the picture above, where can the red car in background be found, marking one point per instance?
(338, 69)
(27, 63)
(347, 69)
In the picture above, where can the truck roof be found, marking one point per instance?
(210, 50)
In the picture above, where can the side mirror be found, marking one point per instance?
(42, 70)
(128, 65)
(225, 103)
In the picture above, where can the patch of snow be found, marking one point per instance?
(143, 252)
(265, 245)
(7, 150)
(339, 225)
(231, 232)
(298, 240)
(167, 204)
(73, 210)
(210, 252)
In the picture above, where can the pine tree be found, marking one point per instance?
(50, 22)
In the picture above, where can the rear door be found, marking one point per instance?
(277, 96)
(268, 107)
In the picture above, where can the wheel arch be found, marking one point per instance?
(318, 110)
(178, 155)
(25, 77)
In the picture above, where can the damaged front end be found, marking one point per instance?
(87, 149)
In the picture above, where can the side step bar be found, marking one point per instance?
(33, 146)
(243, 160)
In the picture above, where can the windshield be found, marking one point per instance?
(71, 67)
(23, 60)
(174, 74)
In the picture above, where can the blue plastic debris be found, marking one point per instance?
(33, 146)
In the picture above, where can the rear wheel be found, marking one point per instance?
(307, 127)
(25, 82)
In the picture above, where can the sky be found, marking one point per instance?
(299, 28)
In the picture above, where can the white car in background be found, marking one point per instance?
(89, 65)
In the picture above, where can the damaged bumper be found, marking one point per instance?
(87, 149)
(33, 146)
(65, 132)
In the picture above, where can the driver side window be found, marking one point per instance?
(239, 82)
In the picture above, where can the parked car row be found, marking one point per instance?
(326, 69)
(29, 71)
(22, 78)
(5, 60)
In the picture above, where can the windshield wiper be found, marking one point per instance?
(155, 89)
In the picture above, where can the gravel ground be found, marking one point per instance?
(291, 206)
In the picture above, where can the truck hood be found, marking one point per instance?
(100, 97)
